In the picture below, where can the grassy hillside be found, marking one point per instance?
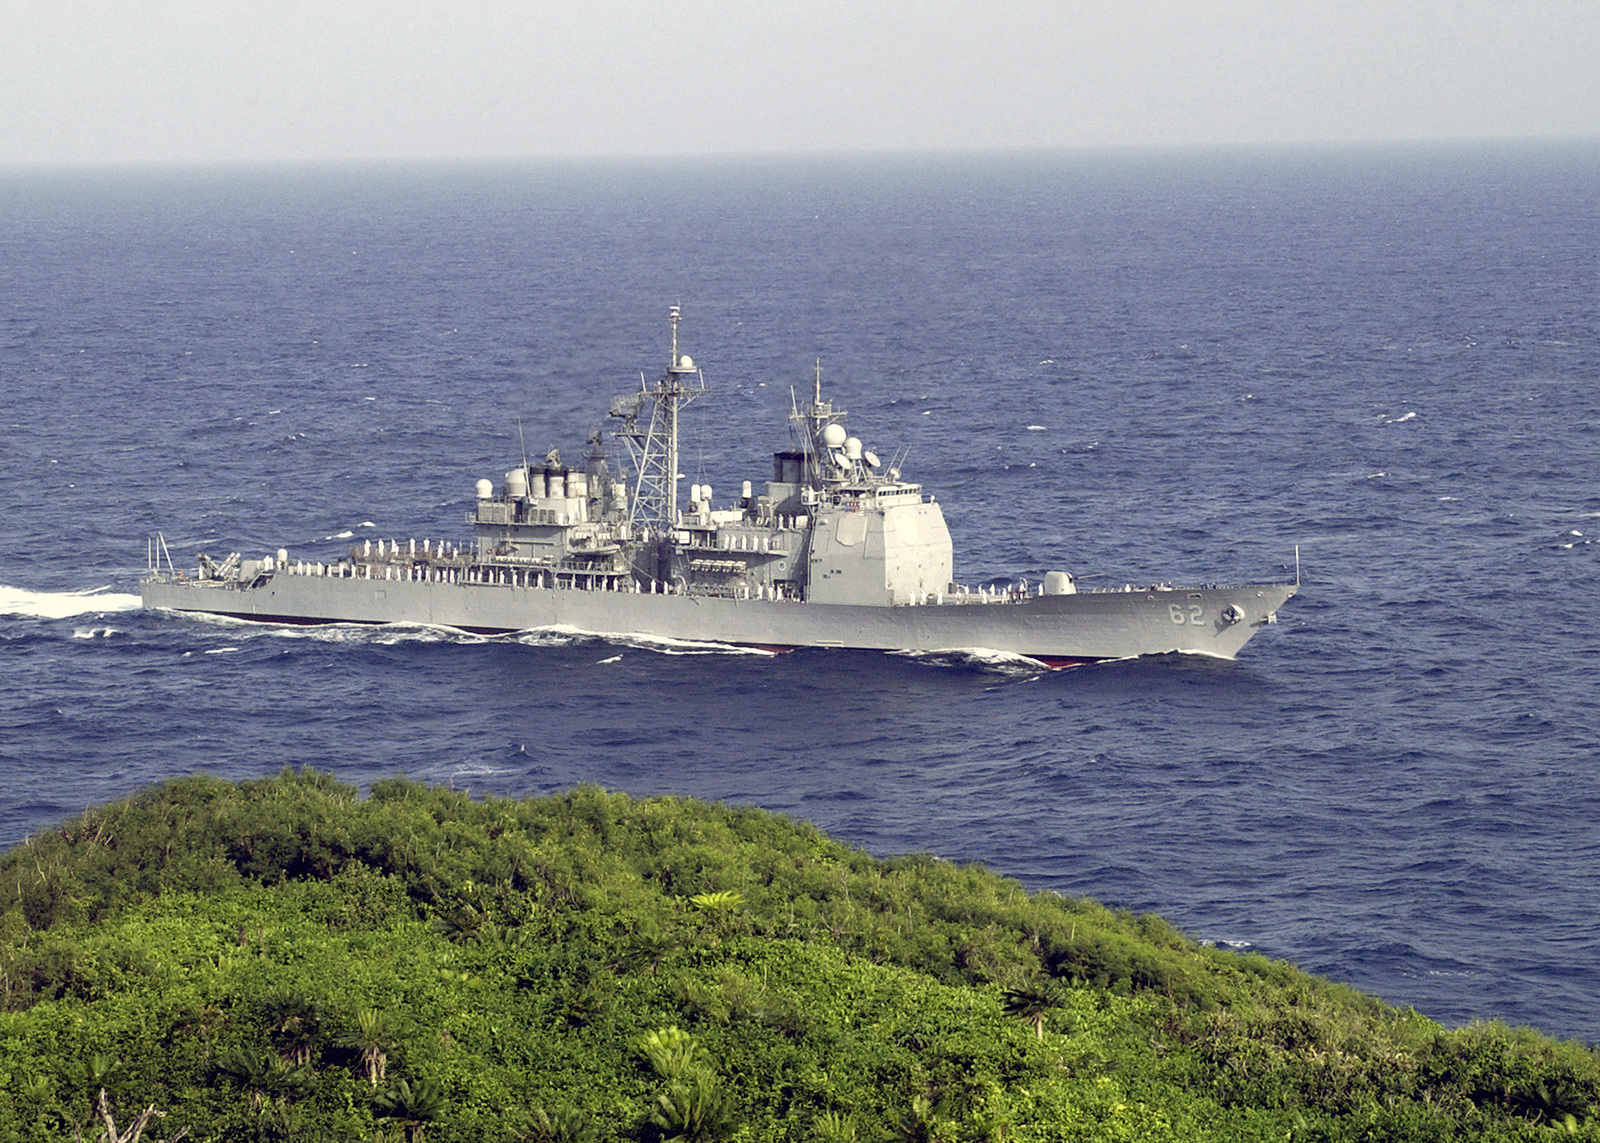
(284, 960)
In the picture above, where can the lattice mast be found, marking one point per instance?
(655, 451)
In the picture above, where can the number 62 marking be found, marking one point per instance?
(1192, 614)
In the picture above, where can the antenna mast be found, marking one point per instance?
(655, 451)
(808, 426)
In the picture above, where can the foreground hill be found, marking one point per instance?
(282, 959)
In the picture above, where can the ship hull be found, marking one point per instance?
(1054, 629)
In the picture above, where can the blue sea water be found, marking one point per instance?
(1137, 366)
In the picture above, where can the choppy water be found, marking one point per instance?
(1162, 366)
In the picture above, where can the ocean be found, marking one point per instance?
(1137, 366)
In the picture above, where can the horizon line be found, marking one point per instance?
(880, 153)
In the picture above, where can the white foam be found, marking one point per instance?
(983, 658)
(480, 770)
(387, 634)
(391, 634)
(394, 634)
(657, 643)
(381, 634)
(63, 604)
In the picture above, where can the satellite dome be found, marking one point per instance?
(685, 362)
(833, 436)
(852, 448)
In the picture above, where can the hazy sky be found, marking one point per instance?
(295, 79)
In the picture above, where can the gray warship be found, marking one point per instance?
(836, 549)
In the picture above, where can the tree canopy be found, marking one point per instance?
(285, 959)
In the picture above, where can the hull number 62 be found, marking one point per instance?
(1191, 615)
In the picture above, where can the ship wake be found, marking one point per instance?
(64, 604)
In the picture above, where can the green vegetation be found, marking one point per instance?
(284, 960)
